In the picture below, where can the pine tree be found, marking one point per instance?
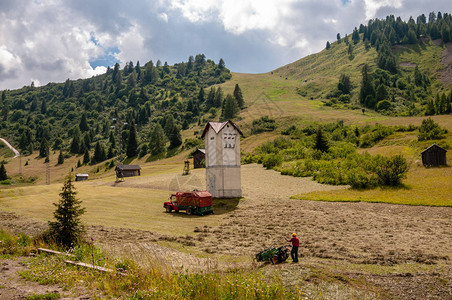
(210, 102)
(75, 144)
(338, 37)
(44, 148)
(230, 108)
(67, 227)
(86, 157)
(60, 158)
(157, 140)
(175, 137)
(321, 143)
(367, 91)
(328, 46)
(201, 95)
(238, 96)
(355, 36)
(132, 144)
(83, 123)
(43, 106)
(3, 175)
(99, 153)
(218, 97)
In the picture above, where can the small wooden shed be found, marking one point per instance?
(434, 156)
(198, 157)
(81, 177)
(127, 170)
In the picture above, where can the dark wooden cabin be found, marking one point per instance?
(434, 156)
(198, 156)
(127, 170)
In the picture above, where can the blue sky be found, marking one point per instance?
(52, 40)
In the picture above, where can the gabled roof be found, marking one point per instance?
(436, 146)
(218, 126)
(201, 150)
(128, 167)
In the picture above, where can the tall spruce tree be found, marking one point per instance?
(132, 144)
(321, 142)
(67, 228)
(61, 158)
(3, 175)
(44, 148)
(230, 108)
(238, 96)
(83, 123)
(367, 91)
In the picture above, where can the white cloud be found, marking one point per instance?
(52, 40)
(372, 6)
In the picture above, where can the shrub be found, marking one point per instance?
(271, 160)
(429, 130)
(391, 170)
(263, 124)
(383, 105)
(345, 98)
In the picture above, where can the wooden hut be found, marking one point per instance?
(198, 157)
(81, 177)
(127, 171)
(434, 156)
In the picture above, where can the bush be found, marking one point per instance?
(383, 105)
(271, 160)
(263, 124)
(345, 98)
(391, 170)
(430, 130)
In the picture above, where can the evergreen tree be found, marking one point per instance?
(43, 106)
(221, 64)
(218, 97)
(201, 95)
(355, 36)
(430, 111)
(338, 37)
(210, 102)
(328, 45)
(75, 144)
(230, 108)
(83, 123)
(5, 112)
(132, 144)
(3, 175)
(367, 88)
(238, 96)
(157, 140)
(44, 148)
(382, 93)
(169, 124)
(86, 157)
(99, 153)
(34, 104)
(60, 158)
(344, 85)
(321, 143)
(67, 228)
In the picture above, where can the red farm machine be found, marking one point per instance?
(195, 202)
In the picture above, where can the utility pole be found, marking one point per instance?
(47, 173)
(20, 164)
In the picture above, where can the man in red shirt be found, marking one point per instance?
(295, 244)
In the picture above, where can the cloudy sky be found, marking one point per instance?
(52, 40)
